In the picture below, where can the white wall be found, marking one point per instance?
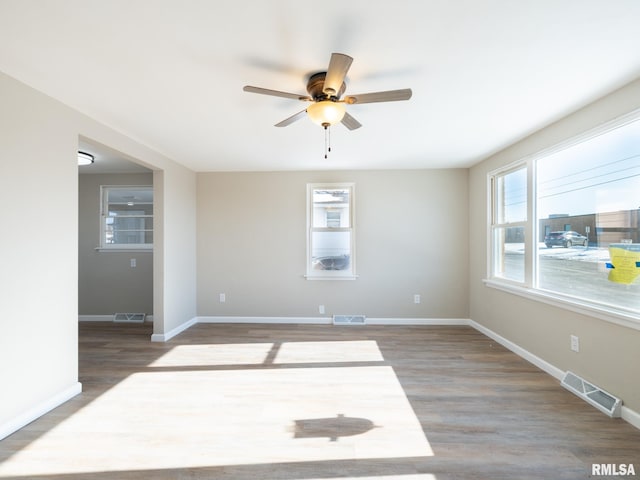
(412, 237)
(38, 250)
(39, 246)
(174, 249)
(609, 354)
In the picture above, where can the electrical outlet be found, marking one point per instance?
(321, 309)
(223, 297)
(575, 343)
(133, 263)
(416, 298)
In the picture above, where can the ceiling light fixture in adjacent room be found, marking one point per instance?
(85, 158)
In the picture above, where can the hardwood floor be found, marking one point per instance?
(313, 402)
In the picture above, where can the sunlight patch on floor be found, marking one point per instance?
(267, 353)
(214, 355)
(232, 417)
(321, 352)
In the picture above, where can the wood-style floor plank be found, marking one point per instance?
(313, 402)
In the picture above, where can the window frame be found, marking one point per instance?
(530, 287)
(495, 224)
(103, 214)
(350, 273)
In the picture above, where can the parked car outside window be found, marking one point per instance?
(565, 239)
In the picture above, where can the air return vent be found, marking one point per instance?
(129, 317)
(349, 320)
(603, 401)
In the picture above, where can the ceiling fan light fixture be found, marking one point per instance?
(326, 112)
(85, 158)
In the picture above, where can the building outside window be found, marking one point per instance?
(126, 217)
(589, 192)
(330, 231)
(575, 233)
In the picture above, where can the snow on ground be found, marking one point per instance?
(584, 254)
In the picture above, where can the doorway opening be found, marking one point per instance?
(115, 235)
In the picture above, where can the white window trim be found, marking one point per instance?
(602, 312)
(122, 248)
(529, 289)
(332, 274)
(491, 253)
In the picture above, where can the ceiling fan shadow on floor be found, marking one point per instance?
(325, 91)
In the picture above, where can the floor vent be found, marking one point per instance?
(349, 320)
(129, 317)
(603, 401)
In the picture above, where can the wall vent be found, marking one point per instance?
(349, 320)
(603, 401)
(129, 317)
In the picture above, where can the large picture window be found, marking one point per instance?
(126, 217)
(585, 234)
(330, 231)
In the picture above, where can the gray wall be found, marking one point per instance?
(412, 237)
(107, 283)
(609, 353)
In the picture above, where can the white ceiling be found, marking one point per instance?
(169, 73)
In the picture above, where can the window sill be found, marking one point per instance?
(609, 314)
(331, 277)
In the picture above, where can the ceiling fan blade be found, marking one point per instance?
(337, 71)
(291, 119)
(387, 96)
(350, 122)
(276, 93)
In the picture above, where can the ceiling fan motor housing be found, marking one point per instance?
(315, 87)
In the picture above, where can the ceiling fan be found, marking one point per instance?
(325, 91)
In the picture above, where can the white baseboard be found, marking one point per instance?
(328, 320)
(521, 352)
(418, 321)
(163, 337)
(32, 414)
(267, 320)
(631, 416)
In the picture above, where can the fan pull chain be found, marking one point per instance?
(327, 139)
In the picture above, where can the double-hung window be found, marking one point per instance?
(330, 231)
(565, 223)
(126, 217)
(509, 222)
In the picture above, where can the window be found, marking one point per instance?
(589, 200)
(330, 231)
(126, 217)
(509, 216)
(579, 243)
